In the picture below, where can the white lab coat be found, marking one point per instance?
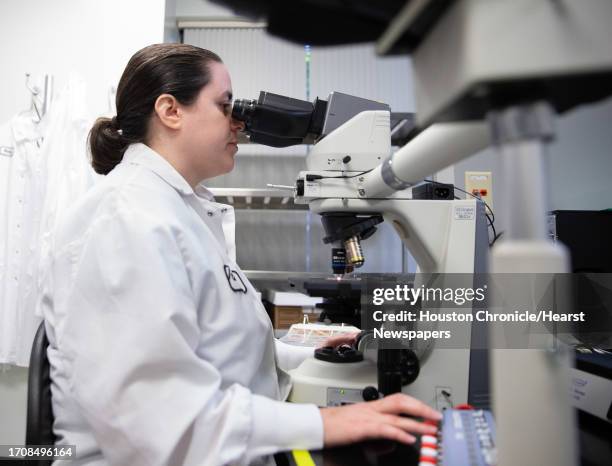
(68, 173)
(160, 351)
(21, 197)
(37, 185)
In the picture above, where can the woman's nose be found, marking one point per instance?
(237, 125)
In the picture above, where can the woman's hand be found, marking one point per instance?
(344, 339)
(378, 419)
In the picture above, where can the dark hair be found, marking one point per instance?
(177, 69)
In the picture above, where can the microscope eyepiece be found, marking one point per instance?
(243, 110)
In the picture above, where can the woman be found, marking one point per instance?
(160, 351)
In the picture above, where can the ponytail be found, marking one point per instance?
(107, 145)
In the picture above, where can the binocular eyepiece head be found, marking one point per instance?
(274, 120)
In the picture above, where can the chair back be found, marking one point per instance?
(39, 422)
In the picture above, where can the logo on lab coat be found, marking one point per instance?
(7, 151)
(235, 280)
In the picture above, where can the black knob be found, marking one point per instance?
(342, 354)
(410, 366)
(370, 393)
(346, 159)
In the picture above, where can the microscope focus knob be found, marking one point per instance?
(370, 393)
(410, 366)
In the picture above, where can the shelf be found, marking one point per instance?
(259, 199)
(282, 280)
(284, 275)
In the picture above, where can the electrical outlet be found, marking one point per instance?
(444, 398)
(480, 184)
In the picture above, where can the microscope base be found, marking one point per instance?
(331, 384)
(334, 384)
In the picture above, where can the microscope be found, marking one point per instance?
(352, 142)
(510, 66)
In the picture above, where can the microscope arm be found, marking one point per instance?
(437, 147)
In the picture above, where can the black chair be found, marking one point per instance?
(39, 423)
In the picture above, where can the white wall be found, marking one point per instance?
(580, 162)
(93, 38)
(171, 31)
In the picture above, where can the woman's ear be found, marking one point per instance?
(167, 110)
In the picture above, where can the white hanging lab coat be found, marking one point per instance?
(21, 197)
(68, 173)
(37, 184)
(160, 351)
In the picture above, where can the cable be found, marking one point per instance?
(496, 238)
(321, 177)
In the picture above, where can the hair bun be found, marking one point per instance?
(106, 145)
